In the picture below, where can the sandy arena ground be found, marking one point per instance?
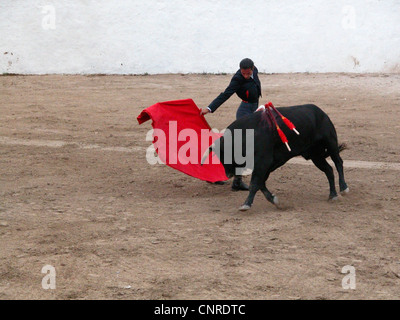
(77, 193)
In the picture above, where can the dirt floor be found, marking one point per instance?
(77, 193)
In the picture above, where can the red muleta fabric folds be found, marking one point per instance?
(181, 136)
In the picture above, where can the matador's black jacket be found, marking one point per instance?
(247, 90)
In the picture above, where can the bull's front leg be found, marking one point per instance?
(250, 198)
(260, 174)
(269, 196)
(255, 185)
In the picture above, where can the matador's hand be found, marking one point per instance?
(204, 111)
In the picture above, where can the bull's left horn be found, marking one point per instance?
(206, 153)
(260, 108)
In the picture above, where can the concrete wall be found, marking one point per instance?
(185, 36)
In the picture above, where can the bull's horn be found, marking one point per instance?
(206, 153)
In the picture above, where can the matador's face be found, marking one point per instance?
(246, 73)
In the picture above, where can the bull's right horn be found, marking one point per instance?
(206, 153)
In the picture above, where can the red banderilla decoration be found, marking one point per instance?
(287, 122)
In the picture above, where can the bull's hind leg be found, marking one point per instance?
(339, 167)
(321, 163)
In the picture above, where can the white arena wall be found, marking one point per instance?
(196, 36)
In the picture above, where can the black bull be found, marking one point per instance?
(317, 141)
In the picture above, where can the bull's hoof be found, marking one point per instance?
(345, 191)
(244, 207)
(275, 200)
(333, 198)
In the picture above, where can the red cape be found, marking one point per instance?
(181, 136)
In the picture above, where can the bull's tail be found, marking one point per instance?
(341, 147)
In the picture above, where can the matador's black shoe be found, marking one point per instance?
(239, 185)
